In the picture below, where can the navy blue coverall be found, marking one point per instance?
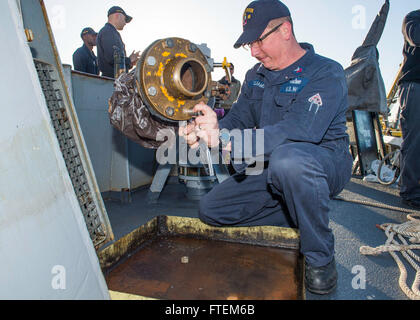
(409, 93)
(306, 148)
(109, 38)
(84, 60)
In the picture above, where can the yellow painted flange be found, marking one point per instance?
(172, 76)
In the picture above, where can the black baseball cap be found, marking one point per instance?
(86, 31)
(257, 16)
(116, 9)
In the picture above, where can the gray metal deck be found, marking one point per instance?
(354, 225)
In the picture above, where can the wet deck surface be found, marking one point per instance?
(353, 225)
(197, 269)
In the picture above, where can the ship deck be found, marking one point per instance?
(353, 225)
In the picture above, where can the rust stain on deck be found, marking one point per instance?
(215, 270)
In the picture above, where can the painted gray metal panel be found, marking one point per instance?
(141, 165)
(118, 162)
(65, 121)
(90, 100)
(45, 249)
(33, 18)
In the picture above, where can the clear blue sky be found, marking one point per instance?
(335, 28)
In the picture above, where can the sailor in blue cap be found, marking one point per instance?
(298, 100)
(84, 59)
(109, 40)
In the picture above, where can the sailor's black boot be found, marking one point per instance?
(412, 203)
(321, 280)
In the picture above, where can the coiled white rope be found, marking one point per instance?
(411, 230)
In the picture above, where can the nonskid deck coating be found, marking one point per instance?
(215, 270)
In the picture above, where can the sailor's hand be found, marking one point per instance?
(226, 93)
(207, 125)
(134, 57)
(188, 132)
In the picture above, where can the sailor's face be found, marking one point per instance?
(121, 21)
(266, 51)
(92, 40)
